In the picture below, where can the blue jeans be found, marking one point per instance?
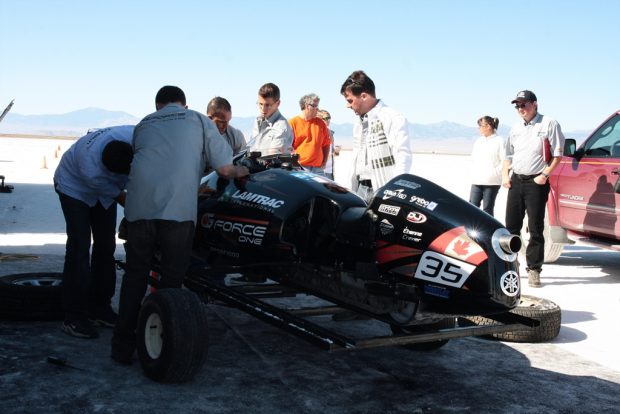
(88, 283)
(485, 194)
(172, 240)
(524, 196)
(315, 170)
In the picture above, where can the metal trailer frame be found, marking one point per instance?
(248, 298)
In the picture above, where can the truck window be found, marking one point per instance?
(605, 142)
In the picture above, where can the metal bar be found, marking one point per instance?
(273, 315)
(442, 334)
(323, 310)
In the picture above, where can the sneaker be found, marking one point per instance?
(533, 278)
(81, 328)
(105, 318)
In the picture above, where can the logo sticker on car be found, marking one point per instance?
(388, 209)
(416, 217)
(509, 282)
(443, 270)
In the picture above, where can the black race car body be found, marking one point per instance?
(415, 254)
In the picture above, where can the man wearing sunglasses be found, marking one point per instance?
(533, 150)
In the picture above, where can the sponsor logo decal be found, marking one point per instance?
(410, 235)
(257, 199)
(509, 283)
(443, 270)
(245, 231)
(387, 194)
(437, 291)
(226, 253)
(388, 209)
(386, 227)
(416, 217)
(408, 184)
(419, 201)
(456, 243)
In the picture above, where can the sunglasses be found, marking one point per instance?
(521, 105)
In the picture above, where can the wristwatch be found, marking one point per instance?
(545, 175)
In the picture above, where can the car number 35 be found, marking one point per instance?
(444, 270)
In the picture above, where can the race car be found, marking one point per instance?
(415, 257)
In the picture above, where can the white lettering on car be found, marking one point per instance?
(387, 194)
(258, 199)
(388, 209)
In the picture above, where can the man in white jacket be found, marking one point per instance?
(380, 138)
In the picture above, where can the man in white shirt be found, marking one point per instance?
(380, 138)
(271, 133)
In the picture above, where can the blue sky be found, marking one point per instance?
(432, 60)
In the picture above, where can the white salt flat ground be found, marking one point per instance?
(585, 281)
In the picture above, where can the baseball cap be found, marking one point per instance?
(525, 96)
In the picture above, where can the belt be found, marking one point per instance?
(525, 177)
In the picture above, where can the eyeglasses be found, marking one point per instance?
(313, 105)
(521, 105)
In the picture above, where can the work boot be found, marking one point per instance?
(533, 278)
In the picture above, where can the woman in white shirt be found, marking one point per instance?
(487, 158)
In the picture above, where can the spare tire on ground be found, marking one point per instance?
(547, 312)
(31, 296)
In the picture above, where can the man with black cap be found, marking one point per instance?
(90, 180)
(533, 150)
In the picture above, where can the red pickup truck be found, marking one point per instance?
(584, 202)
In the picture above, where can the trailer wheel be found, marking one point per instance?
(31, 296)
(447, 323)
(547, 312)
(172, 335)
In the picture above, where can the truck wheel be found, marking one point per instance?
(447, 323)
(31, 296)
(172, 335)
(552, 250)
(547, 312)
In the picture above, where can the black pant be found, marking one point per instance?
(485, 194)
(172, 240)
(88, 283)
(525, 195)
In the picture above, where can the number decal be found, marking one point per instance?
(443, 270)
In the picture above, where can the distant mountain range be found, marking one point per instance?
(441, 137)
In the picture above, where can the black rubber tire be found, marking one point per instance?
(172, 335)
(425, 346)
(547, 312)
(31, 296)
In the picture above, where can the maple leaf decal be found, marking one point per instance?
(461, 247)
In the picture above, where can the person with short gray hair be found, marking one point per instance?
(311, 136)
